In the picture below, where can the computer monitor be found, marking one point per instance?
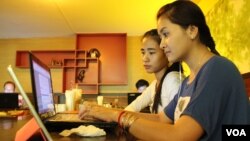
(42, 87)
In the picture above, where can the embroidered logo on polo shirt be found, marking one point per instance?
(181, 106)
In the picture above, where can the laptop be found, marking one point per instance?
(132, 96)
(29, 104)
(9, 100)
(44, 101)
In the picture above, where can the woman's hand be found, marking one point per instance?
(84, 110)
(93, 110)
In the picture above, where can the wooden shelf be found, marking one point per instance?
(112, 46)
(109, 69)
(69, 62)
(48, 57)
(112, 84)
(64, 67)
(87, 84)
(22, 59)
(81, 63)
(55, 67)
(81, 54)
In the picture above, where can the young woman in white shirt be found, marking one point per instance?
(167, 81)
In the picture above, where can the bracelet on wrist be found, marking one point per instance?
(131, 121)
(127, 120)
(119, 118)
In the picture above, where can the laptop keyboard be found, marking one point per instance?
(66, 117)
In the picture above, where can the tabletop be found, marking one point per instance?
(9, 125)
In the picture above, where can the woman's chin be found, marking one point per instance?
(172, 60)
(149, 71)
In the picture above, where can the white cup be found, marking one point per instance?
(73, 98)
(100, 100)
(69, 100)
(78, 97)
(60, 107)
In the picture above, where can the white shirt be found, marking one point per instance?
(170, 87)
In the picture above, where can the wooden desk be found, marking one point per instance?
(10, 125)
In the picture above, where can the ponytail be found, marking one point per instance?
(157, 98)
(215, 52)
(207, 39)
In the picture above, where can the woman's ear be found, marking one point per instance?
(192, 31)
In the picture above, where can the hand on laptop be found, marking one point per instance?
(99, 112)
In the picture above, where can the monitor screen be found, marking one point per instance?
(42, 87)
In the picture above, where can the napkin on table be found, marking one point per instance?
(87, 131)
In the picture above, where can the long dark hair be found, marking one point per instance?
(157, 99)
(186, 13)
(153, 34)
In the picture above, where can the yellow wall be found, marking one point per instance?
(229, 24)
(8, 49)
(228, 20)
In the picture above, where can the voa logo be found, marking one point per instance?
(236, 132)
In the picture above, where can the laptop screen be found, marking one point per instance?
(8, 100)
(42, 87)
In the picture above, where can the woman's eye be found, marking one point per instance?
(151, 53)
(165, 34)
(142, 52)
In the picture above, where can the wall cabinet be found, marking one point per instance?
(79, 68)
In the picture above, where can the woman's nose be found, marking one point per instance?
(162, 44)
(145, 58)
